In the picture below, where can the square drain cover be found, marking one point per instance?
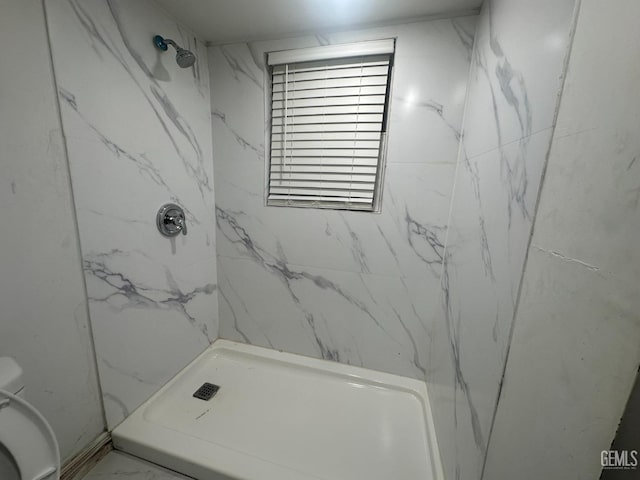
(206, 391)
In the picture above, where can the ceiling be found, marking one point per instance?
(223, 21)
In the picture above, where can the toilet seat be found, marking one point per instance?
(26, 434)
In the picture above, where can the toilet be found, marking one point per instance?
(28, 446)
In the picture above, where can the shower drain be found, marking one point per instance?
(206, 391)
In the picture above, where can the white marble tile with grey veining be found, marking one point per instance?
(509, 96)
(44, 323)
(138, 134)
(515, 82)
(574, 354)
(373, 321)
(320, 266)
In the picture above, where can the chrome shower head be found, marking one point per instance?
(184, 58)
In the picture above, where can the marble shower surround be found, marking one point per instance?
(44, 323)
(576, 343)
(138, 135)
(515, 82)
(354, 287)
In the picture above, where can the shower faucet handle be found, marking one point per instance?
(171, 220)
(179, 220)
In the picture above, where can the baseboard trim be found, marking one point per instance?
(87, 458)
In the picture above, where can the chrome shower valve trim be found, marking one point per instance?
(171, 220)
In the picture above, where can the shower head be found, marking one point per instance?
(184, 58)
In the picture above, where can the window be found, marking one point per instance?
(329, 108)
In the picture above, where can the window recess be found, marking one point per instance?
(328, 124)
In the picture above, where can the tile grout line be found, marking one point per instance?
(74, 214)
(572, 32)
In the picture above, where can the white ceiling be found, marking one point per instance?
(222, 21)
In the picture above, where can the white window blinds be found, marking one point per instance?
(328, 122)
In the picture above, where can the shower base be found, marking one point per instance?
(279, 416)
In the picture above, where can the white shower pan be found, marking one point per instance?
(279, 416)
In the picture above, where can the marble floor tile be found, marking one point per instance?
(118, 465)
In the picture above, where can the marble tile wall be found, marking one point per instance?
(515, 80)
(138, 135)
(576, 341)
(43, 318)
(358, 288)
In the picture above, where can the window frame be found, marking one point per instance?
(376, 206)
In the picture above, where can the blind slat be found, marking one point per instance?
(326, 192)
(337, 152)
(332, 92)
(305, 136)
(332, 102)
(336, 161)
(295, 76)
(350, 188)
(331, 83)
(323, 169)
(326, 144)
(319, 198)
(314, 196)
(314, 120)
(353, 109)
(330, 128)
(323, 176)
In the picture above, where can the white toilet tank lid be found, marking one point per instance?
(10, 375)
